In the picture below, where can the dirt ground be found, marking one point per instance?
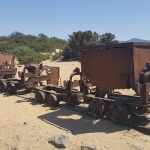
(27, 125)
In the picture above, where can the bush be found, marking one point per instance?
(57, 56)
(27, 56)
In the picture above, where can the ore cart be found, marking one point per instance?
(30, 77)
(7, 66)
(53, 94)
(118, 66)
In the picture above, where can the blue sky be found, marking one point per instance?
(125, 18)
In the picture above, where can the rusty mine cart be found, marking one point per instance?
(30, 77)
(104, 69)
(7, 66)
(54, 94)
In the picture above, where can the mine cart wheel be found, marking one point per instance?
(3, 86)
(97, 108)
(40, 96)
(29, 90)
(118, 112)
(11, 88)
(52, 100)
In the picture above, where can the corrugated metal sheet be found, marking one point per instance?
(110, 66)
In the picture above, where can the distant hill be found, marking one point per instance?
(134, 40)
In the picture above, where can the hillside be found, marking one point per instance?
(28, 48)
(134, 40)
(40, 43)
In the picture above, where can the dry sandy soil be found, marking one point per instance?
(26, 125)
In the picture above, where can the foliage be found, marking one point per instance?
(77, 40)
(27, 47)
(85, 38)
(57, 56)
(40, 43)
(68, 53)
(108, 38)
(28, 56)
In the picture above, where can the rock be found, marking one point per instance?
(146, 140)
(88, 147)
(26, 122)
(59, 141)
(107, 146)
(136, 137)
(69, 131)
(137, 147)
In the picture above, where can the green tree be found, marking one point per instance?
(78, 40)
(41, 35)
(27, 56)
(85, 38)
(15, 34)
(38, 44)
(108, 38)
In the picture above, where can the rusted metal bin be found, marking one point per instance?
(7, 66)
(115, 66)
(9, 58)
(30, 77)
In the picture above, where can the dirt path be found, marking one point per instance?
(26, 125)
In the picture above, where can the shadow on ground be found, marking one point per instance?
(63, 117)
(18, 93)
(80, 124)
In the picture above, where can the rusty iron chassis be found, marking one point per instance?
(117, 107)
(8, 73)
(30, 77)
(54, 94)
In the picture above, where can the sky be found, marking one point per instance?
(59, 18)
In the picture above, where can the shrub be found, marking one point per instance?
(27, 56)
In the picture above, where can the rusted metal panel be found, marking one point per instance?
(54, 75)
(7, 57)
(110, 66)
(141, 57)
(7, 66)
